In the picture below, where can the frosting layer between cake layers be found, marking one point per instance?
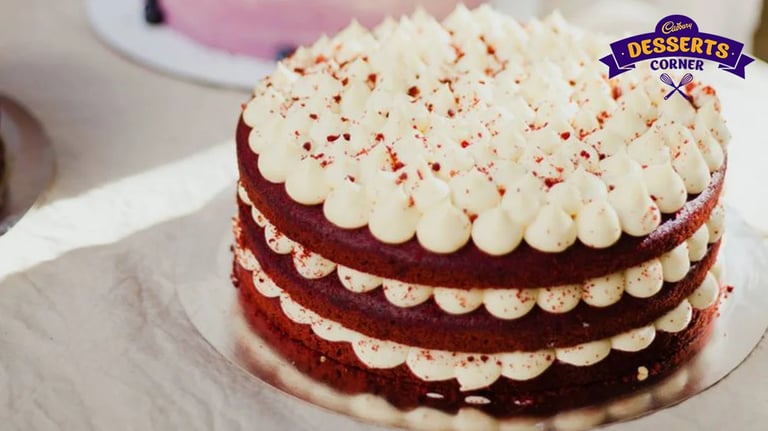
(640, 281)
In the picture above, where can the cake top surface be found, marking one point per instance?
(481, 129)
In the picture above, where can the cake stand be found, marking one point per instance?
(210, 300)
(121, 25)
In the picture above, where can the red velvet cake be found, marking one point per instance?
(470, 214)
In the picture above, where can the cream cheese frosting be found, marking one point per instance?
(641, 281)
(474, 370)
(454, 131)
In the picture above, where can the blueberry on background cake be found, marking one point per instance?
(153, 13)
(469, 213)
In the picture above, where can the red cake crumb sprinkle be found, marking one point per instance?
(307, 146)
(394, 162)
(379, 137)
(565, 135)
(459, 53)
(436, 167)
(727, 292)
(616, 93)
(312, 116)
(413, 91)
(299, 70)
(346, 136)
(464, 144)
(549, 181)
(451, 113)
(372, 79)
(584, 154)
(320, 59)
(337, 98)
(332, 138)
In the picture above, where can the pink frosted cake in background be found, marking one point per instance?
(273, 28)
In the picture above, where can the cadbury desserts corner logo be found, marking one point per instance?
(676, 44)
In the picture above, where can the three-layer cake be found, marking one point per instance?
(470, 213)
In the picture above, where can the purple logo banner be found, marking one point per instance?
(678, 37)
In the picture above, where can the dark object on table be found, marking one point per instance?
(3, 173)
(761, 35)
(153, 13)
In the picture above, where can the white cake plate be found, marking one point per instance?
(211, 302)
(122, 27)
(29, 161)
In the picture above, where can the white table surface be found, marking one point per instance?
(92, 335)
